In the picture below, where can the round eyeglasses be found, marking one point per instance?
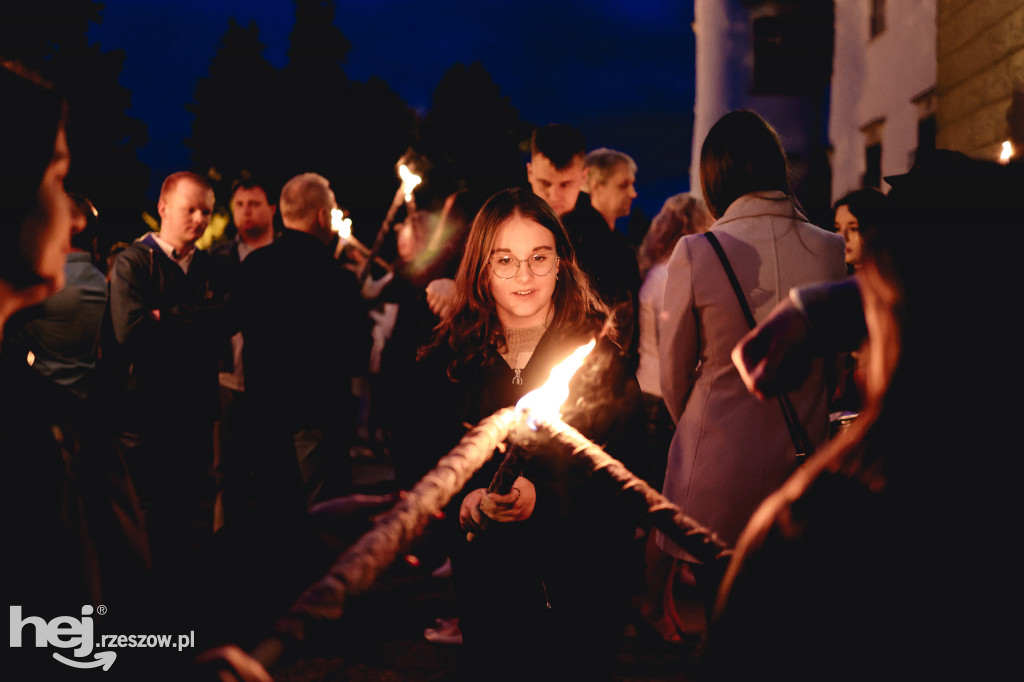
(540, 264)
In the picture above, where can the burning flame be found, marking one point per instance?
(1007, 153)
(341, 224)
(409, 181)
(545, 403)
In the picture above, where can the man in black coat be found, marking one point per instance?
(307, 332)
(165, 323)
(253, 208)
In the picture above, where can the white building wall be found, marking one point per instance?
(723, 68)
(724, 72)
(878, 79)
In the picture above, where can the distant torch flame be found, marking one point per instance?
(1007, 153)
(341, 224)
(545, 403)
(409, 181)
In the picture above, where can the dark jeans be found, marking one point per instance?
(171, 466)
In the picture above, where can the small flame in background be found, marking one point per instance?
(341, 224)
(545, 403)
(1007, 153)
(409, 181)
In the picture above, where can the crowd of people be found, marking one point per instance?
(175, 419)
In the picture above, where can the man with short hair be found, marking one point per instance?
(610, 178)
(252, 212)
(165, 323)
(557, 172)
(306, 332)
(556, 169)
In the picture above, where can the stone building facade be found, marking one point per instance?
(980, 55)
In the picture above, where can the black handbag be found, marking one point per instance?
(796, 430)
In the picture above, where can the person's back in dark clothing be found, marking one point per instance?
(306, 333)
(610, 263)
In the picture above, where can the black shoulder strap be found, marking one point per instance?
(796, 431)
(717, 246)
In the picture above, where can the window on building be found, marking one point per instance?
(873, 165)
(877, 17)
(925, 103)
(792, 47)
(925, 138)
(873, 153)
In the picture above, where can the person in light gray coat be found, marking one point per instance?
(730, 450)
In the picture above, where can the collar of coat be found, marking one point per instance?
(761, 203)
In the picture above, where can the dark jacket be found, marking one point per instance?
(306, 331)
(610, 262)
(171, 362)
(75, 533)
(573, 553)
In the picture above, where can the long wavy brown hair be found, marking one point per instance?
(473, 330)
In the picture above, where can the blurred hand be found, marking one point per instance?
(775, 356)
(230, 664)
(440, 293)
(372, 287)
(355, 256)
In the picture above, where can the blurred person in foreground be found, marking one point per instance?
(886, 554)
(75, 535)
(60, 336)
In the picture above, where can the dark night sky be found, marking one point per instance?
(620, 71)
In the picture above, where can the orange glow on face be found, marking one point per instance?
(544, 404)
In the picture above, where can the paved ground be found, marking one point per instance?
(381, 636)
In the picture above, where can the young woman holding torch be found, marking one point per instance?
(542, 586)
